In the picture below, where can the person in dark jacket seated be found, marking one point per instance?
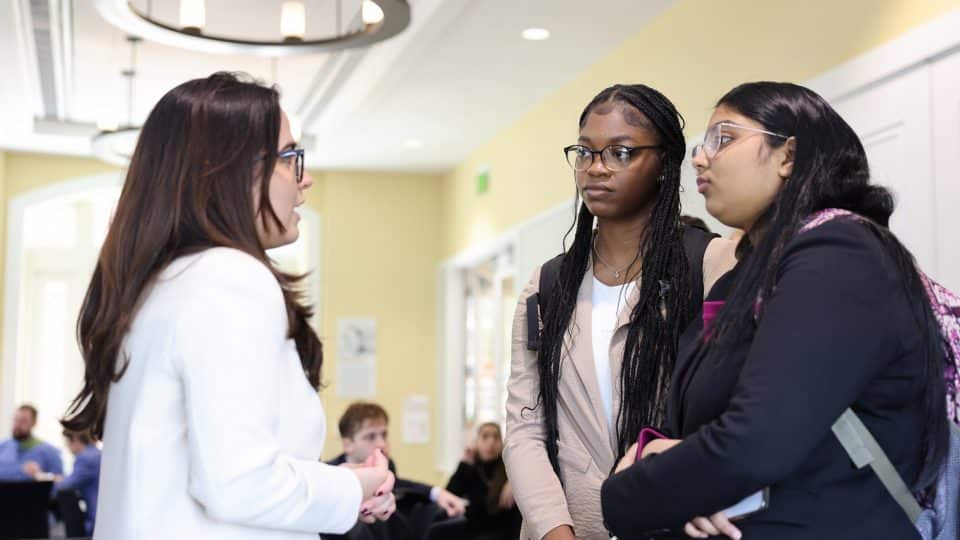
(363, 429)
(481, 478)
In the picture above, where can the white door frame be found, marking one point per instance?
(14, 267)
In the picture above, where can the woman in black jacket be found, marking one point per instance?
(813, 322)
(481, 478)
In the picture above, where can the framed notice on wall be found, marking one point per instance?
(356, 357)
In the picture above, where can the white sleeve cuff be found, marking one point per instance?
(434, 493)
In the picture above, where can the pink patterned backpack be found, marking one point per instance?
(937, 519)
(945, 305)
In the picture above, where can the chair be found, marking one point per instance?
(72, 515)
(24, 510)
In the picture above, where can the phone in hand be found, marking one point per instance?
(748, 506)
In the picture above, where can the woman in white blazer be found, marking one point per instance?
(201, 367)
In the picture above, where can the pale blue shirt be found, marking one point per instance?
(13, 454)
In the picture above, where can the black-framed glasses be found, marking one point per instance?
(715, 138)
(297, 155)
(615, 157)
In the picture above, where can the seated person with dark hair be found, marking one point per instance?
(363, 429)
(482, 479)
(25, 457)
(694, 221)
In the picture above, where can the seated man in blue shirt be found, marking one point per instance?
(85, 477)
(24, 457)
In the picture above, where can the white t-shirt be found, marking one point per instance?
(607, 301)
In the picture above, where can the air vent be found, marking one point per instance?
(43, 45)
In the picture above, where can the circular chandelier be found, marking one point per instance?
(379, 20)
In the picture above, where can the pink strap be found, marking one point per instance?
(710, 311)
(647, 434)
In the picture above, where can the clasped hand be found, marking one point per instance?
(376, 481)
(698, 527)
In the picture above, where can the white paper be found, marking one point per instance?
(416, 419)
(356, 357)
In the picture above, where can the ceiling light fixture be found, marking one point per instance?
(535, 34)
(293, 22)
(193, 16)
(377, 21)
(371, 13)
(116, 145)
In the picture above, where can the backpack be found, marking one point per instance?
(941, 521)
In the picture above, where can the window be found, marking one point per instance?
(55, 239)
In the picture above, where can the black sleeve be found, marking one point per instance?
(412, 487)
(339, 460)
(823, 336)
(459, 483)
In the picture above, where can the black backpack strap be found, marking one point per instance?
(695, 243)
(549, 273)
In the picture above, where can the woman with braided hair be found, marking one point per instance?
(611, 309)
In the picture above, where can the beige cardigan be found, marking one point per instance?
(587, 447)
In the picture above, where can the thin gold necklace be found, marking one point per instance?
(616, 272)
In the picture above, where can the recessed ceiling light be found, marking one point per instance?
(413, 143)
(535, 34)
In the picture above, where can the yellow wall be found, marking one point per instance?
(25, 171)
(380, 247)
(693, 52)
(381, 250)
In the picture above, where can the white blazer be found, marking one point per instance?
(214, 432)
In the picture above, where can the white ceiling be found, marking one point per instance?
(459, 74)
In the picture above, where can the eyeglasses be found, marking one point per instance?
(297, 154)
(715, 139)
(615, 157)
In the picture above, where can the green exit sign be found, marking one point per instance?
(483, 180)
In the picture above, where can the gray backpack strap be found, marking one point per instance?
(864, 450)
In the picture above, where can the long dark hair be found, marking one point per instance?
(830, 170)
(498, 475)
(204, 147)
(662, 310)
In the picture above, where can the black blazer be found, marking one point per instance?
(470, 481)
(837, 332)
